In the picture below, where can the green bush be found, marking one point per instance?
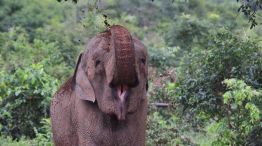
(165, 124)
(188, 32)
(242, 115)
(162, 130)
(43, 137)
(7, 141)
(43, 134)
(201, 71)
(18, 51)
(24, 100)
(29, 14)
(163, 58)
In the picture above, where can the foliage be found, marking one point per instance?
(164, 133)
(25, 98)
(242, 115)
(163, 58)
(165, 126)
(28, 14)
(188, 32)
(44, 135)
(250, 8)
(201, 71)
(43, 138)
(193, 47)
(18, 51)
(7, 141)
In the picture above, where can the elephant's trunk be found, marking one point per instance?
(123, 45)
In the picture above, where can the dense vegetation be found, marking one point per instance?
(205, 63)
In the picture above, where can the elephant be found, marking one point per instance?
(104, 102)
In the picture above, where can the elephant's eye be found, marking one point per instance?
(97, 62)
(143, 60)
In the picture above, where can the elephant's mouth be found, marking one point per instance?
(121, 94)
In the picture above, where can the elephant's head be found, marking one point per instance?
(112, 72)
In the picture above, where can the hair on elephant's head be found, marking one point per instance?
(112, 72)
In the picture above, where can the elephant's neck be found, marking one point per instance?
(111, 121)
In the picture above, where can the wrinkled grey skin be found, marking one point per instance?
(87, 110)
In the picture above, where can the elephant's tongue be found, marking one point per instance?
(121, 92)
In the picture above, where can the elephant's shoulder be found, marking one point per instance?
(63, 97)
(66, 90)
(61, 114)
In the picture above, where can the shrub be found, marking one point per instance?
(201, 72)
(188, 32)
(7, 141)
(43, 137)
(43, 134)
(242, 115)
(24, 100)
(163, 58)
(165, 125)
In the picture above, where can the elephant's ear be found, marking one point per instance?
(83, 88)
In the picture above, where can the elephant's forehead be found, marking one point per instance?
(98, 44)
